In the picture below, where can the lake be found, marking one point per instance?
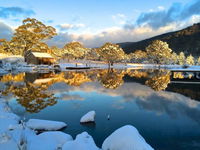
(164, 106)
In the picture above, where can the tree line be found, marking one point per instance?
(32, 35)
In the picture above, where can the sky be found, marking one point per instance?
(93, 22)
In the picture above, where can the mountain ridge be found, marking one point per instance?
(186, 40)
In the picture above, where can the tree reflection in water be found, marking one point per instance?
(33, 97)
(159, 80)
(31, 90)
(111, 78)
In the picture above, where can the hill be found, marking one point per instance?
(186, 40)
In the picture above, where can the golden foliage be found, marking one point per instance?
(111, 78)
(111, 52)
(159, 81)
(29, 36)
(137, 73)
(33, 98)
(76, 78)
(14, 78)
(159, 52)
(74, 50)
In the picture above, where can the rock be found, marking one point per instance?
(47, 125)
(51, 140)
(125, 138)
(83, 141)
(89, 117)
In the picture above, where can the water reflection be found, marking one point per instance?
(151, 100)
(111, 78)
(159, 80)
(34, 98)
(32, 90)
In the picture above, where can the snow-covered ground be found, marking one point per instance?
(16, 134)
(16, 63)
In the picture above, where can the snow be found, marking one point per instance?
(125, 138)
(9, 145)
(89, 117)
(43, 55)
(51, 140)
(83, 141)
(37, 124)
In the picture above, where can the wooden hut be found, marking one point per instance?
(39, 58)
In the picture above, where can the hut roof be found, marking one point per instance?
(41, 55)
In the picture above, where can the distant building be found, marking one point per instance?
(39, 58)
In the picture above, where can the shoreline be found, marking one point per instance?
(16, 134)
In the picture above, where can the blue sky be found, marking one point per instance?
(94, 22)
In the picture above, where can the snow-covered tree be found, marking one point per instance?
(138, 56)
(159, 52)
(74, 50)
(181, 58)
(174, 58)
(198, 61)
(111, 53)
(190, 60)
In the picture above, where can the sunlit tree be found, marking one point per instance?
(56, 52)
(92, 54)
(198, 61)
(190, 60)
(74, 50)
(111, 53)
(8, 47)
(30, 35)
(181, 58)
(159, 52)
(174, 58)
(138, 56)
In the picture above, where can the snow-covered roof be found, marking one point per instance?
(43, 55)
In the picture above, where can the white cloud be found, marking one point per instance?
(5, 31)
(119, 34)
(119, 18)
(68, 26)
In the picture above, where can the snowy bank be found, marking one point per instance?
(89, 117)
(50, 140)
(83, 141)
(47, 125)
(125, 138)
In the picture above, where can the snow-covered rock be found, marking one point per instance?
(126, 138)
(4, 107)
(7, 120)
(9, 115)
(89, 117)
(8, 144)
(51, 140)
(38, 124)
(83, 141)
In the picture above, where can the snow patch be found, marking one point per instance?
(51, 140)
(89, 117)
(125, 138)
(83, 141)
(47, 125)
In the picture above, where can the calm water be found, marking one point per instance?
(164, 110)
